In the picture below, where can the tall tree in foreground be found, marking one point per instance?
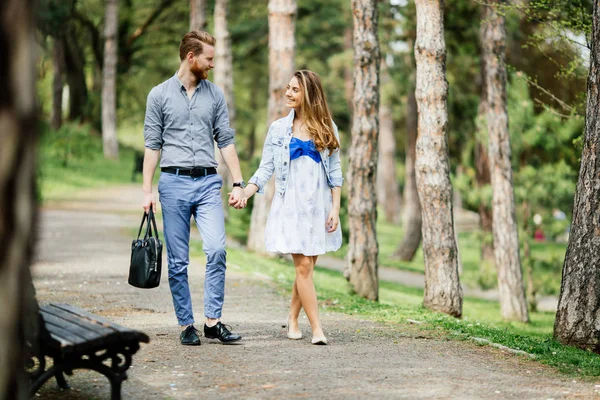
(197, 15)
(110, 143)
(282, 25)
(362, 270)
(442, 287)
(17, 188)
(223, 74)
(577, 319)
(506, 241)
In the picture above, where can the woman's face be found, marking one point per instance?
(293, 94)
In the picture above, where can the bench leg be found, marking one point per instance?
(115, 388)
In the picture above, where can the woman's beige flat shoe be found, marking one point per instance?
(322, 340)
(293, 335)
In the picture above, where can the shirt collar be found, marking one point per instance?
(289, 121)
(180, 85)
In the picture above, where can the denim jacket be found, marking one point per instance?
(276, 158)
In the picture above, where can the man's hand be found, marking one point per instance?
(148, 201)
(237, 199)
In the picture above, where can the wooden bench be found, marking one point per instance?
(74, 339)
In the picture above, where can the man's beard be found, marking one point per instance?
(198, 72)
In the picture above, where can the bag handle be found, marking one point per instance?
(151, 218)
(142, 225)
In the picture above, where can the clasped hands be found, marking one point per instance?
(238, 198)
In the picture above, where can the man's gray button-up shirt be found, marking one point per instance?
(184, 128)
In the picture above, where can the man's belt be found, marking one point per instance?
(195, 172)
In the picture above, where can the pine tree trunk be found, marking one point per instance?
(482, 160)
(18, 123)
(198, 15)
(442, 286)
(411, 217)
(362, 269)
(577, 319)
(58, 64)
(223, 76)
(74, 68)
(388, 194)
(506, 241)
(109, 82)
(282, 22)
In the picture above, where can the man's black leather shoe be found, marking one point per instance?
(189, 336)
(220, 331)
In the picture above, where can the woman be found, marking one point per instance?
(302, 150)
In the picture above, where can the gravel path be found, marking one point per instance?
(83, 259)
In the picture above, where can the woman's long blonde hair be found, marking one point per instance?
(315, 111)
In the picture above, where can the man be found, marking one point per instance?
(183, 116)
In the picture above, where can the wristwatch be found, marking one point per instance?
(241, 184)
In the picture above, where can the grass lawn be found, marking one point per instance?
(547, 265)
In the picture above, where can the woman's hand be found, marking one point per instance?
(333, 220)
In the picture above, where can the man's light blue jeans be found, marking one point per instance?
(180, 198)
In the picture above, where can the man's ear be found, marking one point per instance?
(190, 57)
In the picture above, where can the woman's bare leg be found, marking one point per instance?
(295, 307)
(306, 291)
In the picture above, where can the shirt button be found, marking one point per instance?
(286, 147)
(284, 179)
(285, 163)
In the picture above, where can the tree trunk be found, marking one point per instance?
(58, 63)
(442, 286)
(198, 15)
(388, 195)
(506, 241)
(531, 289)
(577, 319)
(78, 94)
(282, 22)
(411, 217)
(482, 163)
(110, 143)
(362, 267)
(18, 125)
(224, 79)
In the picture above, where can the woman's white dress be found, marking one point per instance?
(297, 221)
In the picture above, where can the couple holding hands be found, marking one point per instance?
(185, 115)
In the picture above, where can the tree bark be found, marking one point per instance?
(442, 286)
(282, 23)
(58, 63)
(506, 241)
(411, 217)
(577, 319)
(482, 163)
(78, 93)
(362, 263)
(198, 15)
(224, 79)
(17, 189)
(388, 194)
(110, 144)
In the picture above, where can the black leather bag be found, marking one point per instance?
(146, 256)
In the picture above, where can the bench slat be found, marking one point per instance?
(125, 333)
(76, 331)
